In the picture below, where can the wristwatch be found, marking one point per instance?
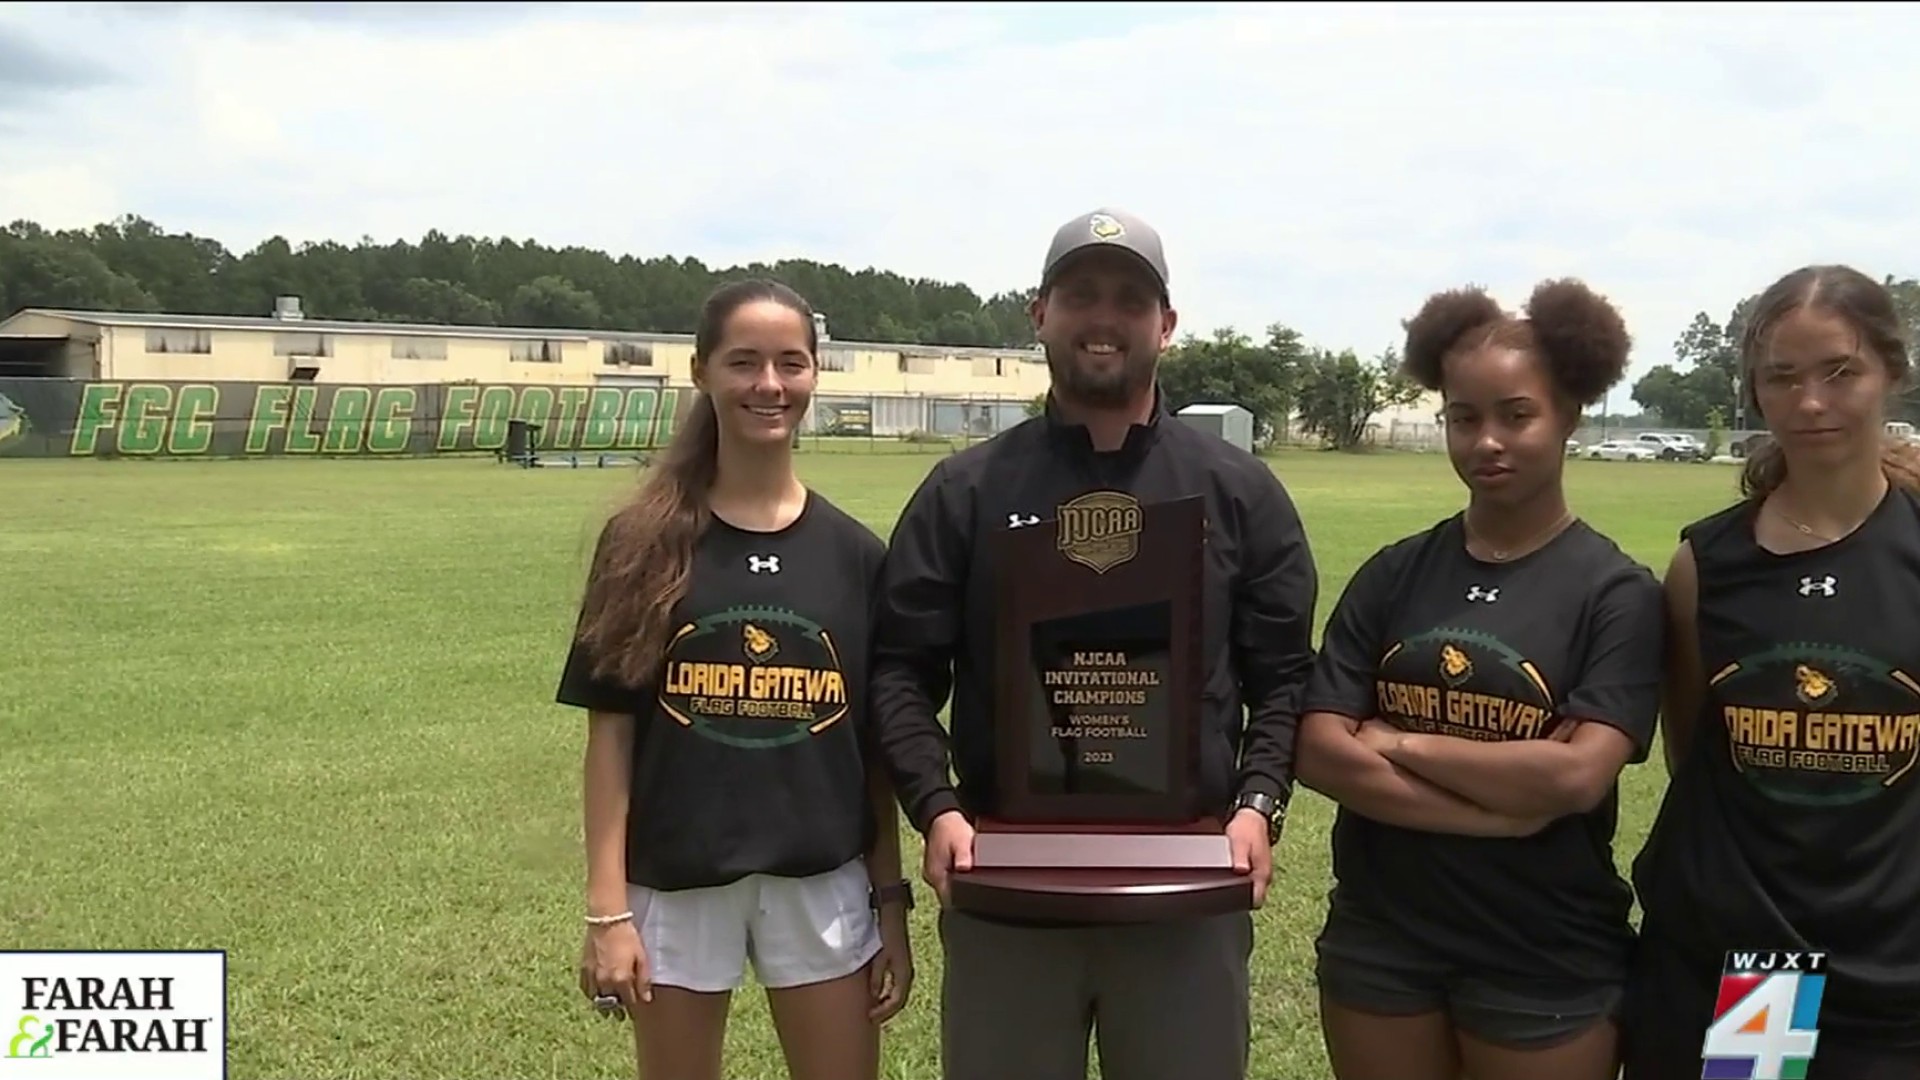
(898, 892)
(1267, 807)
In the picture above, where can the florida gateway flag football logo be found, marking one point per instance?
(113, 1015)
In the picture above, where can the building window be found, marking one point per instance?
(180, 341)
(627, 353)
(302, 345)
(419, 348)
(836, 360)
(535, 352)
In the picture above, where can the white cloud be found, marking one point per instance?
(1325, 166)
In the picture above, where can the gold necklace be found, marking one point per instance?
(1565, 518)
(1805, 529)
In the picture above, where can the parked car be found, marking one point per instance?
(1620, 450)
(1673, 447)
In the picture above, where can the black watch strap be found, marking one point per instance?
(897, 892)
(1274, 810)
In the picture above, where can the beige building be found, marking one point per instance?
(886, 388)
(1415, 426)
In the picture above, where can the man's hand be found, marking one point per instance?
(949, 848)
(1252, 854)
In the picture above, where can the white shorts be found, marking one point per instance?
(795, 931)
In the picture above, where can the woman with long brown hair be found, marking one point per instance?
(733, 815)
(1789, 837)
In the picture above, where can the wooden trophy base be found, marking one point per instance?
(1100, 874)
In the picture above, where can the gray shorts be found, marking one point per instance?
(1367, 965)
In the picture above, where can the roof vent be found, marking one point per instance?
(287, 308)
(820, 326)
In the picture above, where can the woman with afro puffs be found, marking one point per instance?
(1481, 685)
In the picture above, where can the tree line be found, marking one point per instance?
(1293, 389)
(132, 264)
(1698, 390)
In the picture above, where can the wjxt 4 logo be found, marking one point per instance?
(124, 1014)
(1766, 1023)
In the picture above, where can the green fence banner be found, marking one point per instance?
(81, 418)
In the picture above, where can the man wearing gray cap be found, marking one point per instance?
(1163, 999)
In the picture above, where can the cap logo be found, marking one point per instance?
(1105, 227)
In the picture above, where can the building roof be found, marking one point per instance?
(1211, 410)
(174, 321)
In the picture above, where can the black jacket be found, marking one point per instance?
(935, 620)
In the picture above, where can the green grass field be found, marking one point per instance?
(302, 711)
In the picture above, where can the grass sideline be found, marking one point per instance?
(301, 711)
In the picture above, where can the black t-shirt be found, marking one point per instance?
(1433, 640)
(749, 745)
(1794, 819)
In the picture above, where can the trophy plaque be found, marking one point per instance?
(1099, 815)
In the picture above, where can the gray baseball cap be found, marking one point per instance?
(1107, 227)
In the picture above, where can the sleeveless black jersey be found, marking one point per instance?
(1794, 819)
(1433, 640)
(749, 743)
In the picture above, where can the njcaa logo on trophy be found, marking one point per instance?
(1101, 529)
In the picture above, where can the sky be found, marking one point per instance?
(1325, 166)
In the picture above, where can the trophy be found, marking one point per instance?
(1099, 816)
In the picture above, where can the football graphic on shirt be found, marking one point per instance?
(1818, 725)
(753, 678)
(1464, 683)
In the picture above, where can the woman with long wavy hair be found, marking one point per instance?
(733, 815)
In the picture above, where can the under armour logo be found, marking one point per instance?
(1015, 521)
(1485, 596)
(1824, 586)
(763, 564)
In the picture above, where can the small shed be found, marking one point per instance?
(1231, 422)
